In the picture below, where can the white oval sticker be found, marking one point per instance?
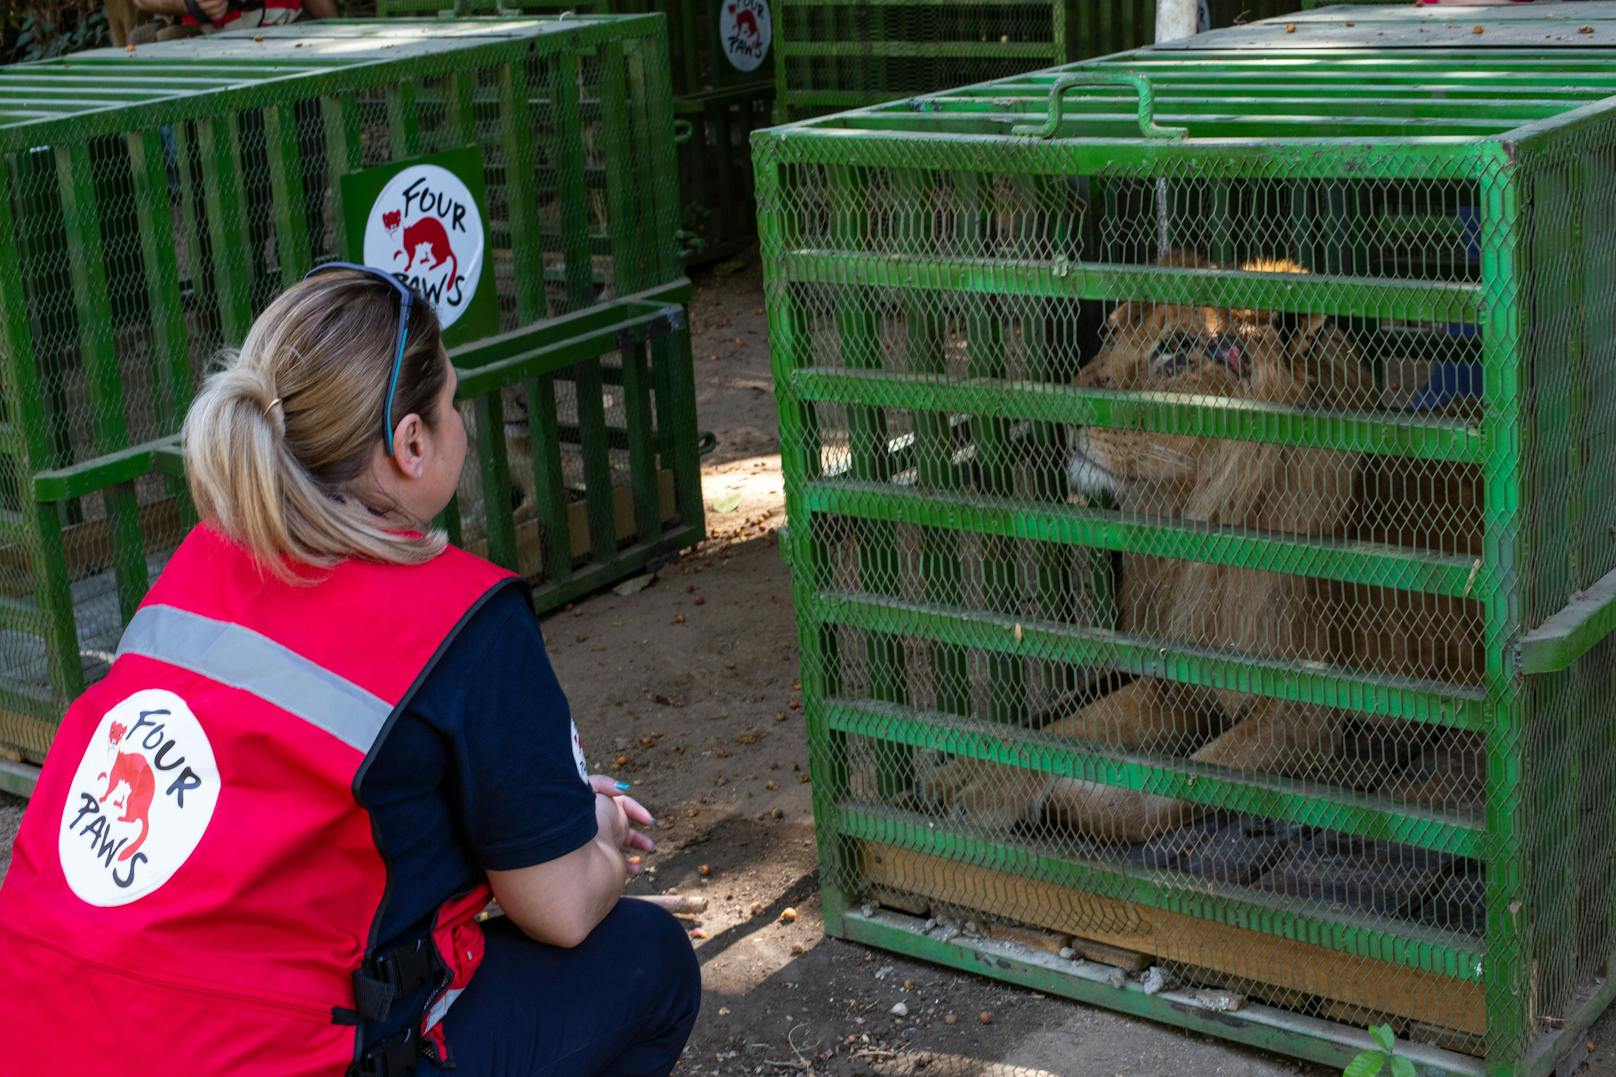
(425, 229)
(140, 801)
(578, 754)
(744, 32)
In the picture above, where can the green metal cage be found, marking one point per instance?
(716, 106)
(1199, 467)
(155, 200)
(838, 54)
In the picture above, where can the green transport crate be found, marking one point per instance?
(723, 87)
(1200, 471)
(837, 54)
(153, 201)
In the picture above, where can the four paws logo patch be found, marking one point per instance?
(139, 802)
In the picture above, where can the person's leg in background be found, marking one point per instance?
(621, 1003)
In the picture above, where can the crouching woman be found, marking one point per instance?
(261, 844)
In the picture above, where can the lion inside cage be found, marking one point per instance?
(1302, 361)
(997, 500)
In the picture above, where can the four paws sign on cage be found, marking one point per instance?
(424, 222)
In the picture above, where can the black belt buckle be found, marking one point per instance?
(374, 995)
(397, 1056)
(392, 975)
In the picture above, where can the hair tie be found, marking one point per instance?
(271, 406)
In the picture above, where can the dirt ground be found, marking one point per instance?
(687, 690)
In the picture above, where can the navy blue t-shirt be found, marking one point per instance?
(477, 774)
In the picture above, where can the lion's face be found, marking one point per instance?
(1198, 351)
(1293, 360)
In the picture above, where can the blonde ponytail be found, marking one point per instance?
(279, 439)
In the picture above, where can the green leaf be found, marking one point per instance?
(1402, 1067)
(1383, 1035)
(1365, 1065)
(727, 503)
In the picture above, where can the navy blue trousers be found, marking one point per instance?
(621, 1003)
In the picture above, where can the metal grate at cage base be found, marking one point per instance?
(1198, 464)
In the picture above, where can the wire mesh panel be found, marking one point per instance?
(1198, 473)
(155, 200)
(723, 89)
(583, 462)
(838, 54)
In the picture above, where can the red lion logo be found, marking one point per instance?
(746, 23)
(130, 770)
(428, 232)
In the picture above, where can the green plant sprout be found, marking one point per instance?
(1385, 1060)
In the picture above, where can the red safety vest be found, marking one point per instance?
(195, 887)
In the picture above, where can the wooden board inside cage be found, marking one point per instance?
(1286, 965)
(528, 551)
(86, 546)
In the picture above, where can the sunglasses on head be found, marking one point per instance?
(406, 297)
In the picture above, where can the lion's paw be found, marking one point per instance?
(987, 794)
(1114, 813)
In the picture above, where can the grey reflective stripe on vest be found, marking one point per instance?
(241, 658)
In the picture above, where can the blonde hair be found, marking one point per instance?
(279, 440)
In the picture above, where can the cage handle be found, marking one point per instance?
(1138, 83)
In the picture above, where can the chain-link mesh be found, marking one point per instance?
(141, 230)
(838, 54)
(1166, 516)
(595, 460)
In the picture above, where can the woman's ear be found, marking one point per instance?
(410, 446)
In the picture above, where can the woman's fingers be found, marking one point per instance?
(625, 808)
(635, 811)
(638, 840)
(611, 787)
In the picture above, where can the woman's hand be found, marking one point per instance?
(560, 901)
(616, 814)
